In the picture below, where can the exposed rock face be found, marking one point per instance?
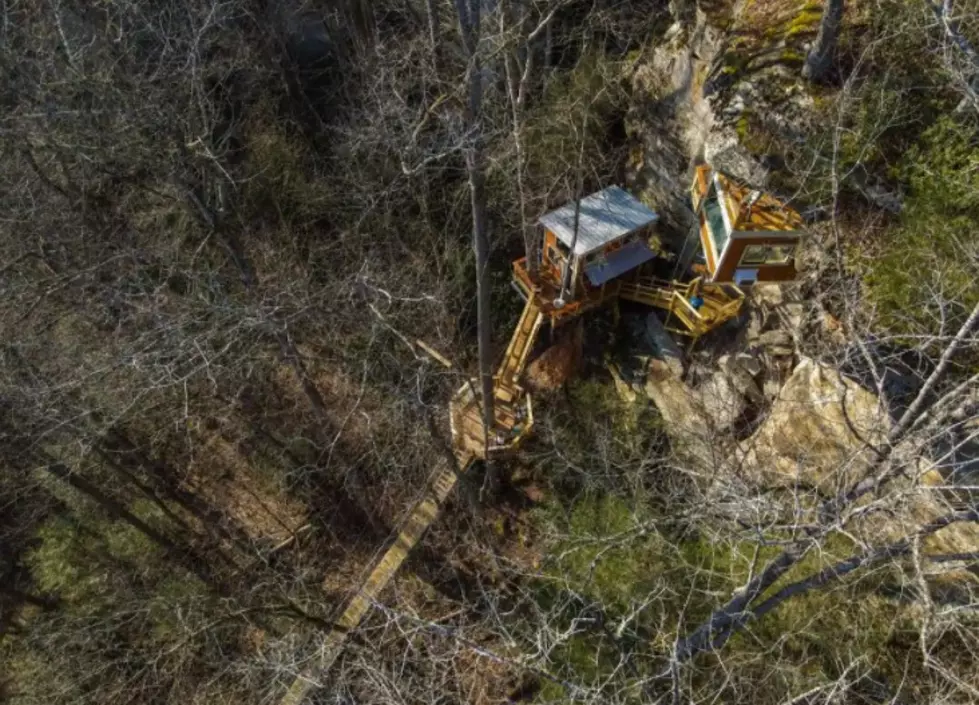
(817, 429)
(817, 435)
(650, 366)
(558, 363)
(710, 82)
(664, 348)
(723, 150)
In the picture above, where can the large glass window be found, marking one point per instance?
(755, 255)
(715, 221)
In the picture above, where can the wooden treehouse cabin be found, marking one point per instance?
(747, 235)
(580, 269)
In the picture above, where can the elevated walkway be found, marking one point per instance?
(403, 539)
(721, 302)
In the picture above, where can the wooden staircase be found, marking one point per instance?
(512, 409)
(515, 359)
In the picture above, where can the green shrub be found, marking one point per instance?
(926, 269)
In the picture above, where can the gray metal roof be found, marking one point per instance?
(605, 217)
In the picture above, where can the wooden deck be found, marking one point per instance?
(513, 421)
(722, 302)
(545, 290)
(768, 215)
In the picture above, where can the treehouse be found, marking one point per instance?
(593, 251)
(747, 235)
(587, 246)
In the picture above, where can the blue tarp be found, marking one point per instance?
(619, 262)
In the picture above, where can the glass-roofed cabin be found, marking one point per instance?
(747, 236)
(612, 239)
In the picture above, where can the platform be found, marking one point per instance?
(721, 302)
(544, 292)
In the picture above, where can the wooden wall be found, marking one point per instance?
(705, 243)
(766, 273)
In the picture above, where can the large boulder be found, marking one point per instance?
(818, 429)
(558, 363)
(722, 402)
(731, 390)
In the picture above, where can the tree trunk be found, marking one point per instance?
(820, 57)
(483, 311)
(432, 10)
(469, 16)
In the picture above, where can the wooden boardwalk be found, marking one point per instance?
(408, 535)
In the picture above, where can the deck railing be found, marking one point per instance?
(721, 302)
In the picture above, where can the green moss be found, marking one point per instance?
(742, 127)
(791, 56)
(611, 554)
(806, 21)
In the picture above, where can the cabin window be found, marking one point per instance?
(715, 221)
(755, 255)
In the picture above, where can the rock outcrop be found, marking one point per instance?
(818, 429)
(728, 394)
(558, 363)
(821, 435)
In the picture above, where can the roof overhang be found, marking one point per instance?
(617, 263)
(603, 218)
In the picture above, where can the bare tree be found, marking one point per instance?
(520, 64)
(969, 76)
